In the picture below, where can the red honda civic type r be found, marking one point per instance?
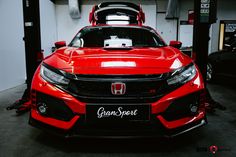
(117, 81)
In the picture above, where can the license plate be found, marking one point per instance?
(95, 112)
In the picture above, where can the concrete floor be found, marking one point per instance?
(18, 139)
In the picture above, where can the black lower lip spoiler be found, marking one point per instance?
(69, 134)
(202, 123)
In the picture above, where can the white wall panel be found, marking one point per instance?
(166, 28)
(12, 52)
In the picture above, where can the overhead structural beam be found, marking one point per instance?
(172, 11)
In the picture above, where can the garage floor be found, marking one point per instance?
(19, 139)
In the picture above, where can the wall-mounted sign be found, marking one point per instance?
(204, 11)
(207, 11)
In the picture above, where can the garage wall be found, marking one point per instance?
(12, 52)
(167, 28)
(226, 11)
(48, 25)
(68, 27)
(185, 5)
(185, 31)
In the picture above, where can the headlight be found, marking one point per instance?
(53, 77)
(182, 75)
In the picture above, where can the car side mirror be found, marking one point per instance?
(176, 44)
(60, 44)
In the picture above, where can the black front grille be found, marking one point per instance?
(139, 88)
(56, 108)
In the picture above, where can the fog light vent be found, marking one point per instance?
(193, 108)
(42, 108)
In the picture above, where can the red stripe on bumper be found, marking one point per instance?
(54, 122)
(180, 122)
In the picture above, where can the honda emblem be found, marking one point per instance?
(118, 88)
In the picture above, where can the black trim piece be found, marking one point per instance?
(180, 107)
(56, 108)
(126, 78)
(60, 72)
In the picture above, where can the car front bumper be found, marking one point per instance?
(159, 125)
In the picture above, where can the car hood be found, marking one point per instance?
(117, 61)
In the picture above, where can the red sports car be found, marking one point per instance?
(117, 80)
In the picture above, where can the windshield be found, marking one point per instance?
(117, 37)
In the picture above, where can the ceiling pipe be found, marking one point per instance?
(74, 9)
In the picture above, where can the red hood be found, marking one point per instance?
(134, 61)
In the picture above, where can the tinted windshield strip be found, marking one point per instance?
(110, 36)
